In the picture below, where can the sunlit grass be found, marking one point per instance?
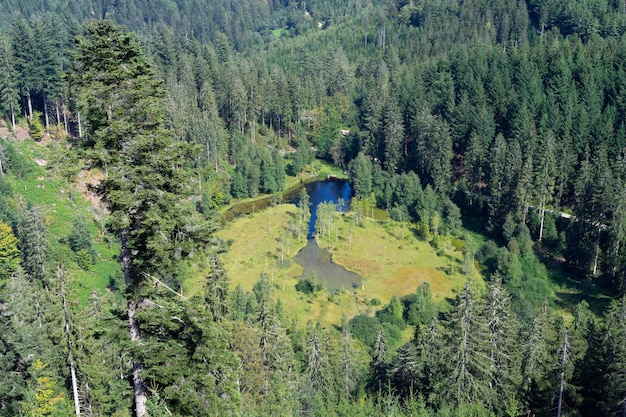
(390, 260)
(61, 203)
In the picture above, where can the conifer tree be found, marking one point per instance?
(9, 94)
(33, 234)
(145, 184)
(504, 356)
(468, 370)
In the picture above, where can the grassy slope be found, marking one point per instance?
(388, 257)
(61, 203)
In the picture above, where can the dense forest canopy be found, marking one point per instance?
(494, 127)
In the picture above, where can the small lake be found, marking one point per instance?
(317, 263)
(329, 191)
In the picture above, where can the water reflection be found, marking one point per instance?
(317, 263)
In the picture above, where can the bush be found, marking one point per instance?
(84, 259)
(308, 286)
(365, 328)
(36, 128)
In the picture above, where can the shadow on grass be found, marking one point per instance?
(573, 287)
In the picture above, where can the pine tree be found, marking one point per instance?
(216, 288)
(33, 235)
(616, 348)
(468, 369)
(539, 364)
(9, 94)
(503, 353)
(380, 364)
(26, 59)
(145, 185)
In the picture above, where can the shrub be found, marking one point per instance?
(84, 259)
(364, 328)
(308, 286)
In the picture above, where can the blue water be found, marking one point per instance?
(330, 191)
(317, 262)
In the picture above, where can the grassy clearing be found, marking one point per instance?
(278, 32)
(61, 203)
(387, 256)
(392, 261)
(256, 248)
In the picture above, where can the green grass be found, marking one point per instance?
(61, 203)
(386, 255)
(278, 32)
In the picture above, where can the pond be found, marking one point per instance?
(317, 263)
(329, 191)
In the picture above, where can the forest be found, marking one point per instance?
(494, 130)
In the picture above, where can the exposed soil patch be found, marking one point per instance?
(19, 133)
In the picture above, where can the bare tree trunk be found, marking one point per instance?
(58, 111)
(138, 385)
(564, 360)
(45, 112)
(13, 117)
(542, 215)
(64, 112)
(30, 105)
(70, 350)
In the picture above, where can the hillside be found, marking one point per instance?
(462, 128)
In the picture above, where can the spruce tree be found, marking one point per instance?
(503, 353)
(145, 186)
(468, 368)
(33, 243)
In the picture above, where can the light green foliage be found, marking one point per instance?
(9, 253)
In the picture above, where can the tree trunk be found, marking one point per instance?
(542, 215)
(64, 112)
(564, 360)
(58, 111)
(138, 385)
(13, 117)
(45, 113)
(30, 105)
(70, 355)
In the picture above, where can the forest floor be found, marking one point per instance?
(387, 255)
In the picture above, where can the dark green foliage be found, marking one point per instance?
(302, 157)
(14, 162)
(418, 307)
(361, 173)
(34, 247)
(364, 328)
(518, 107)
(81, 243)
(308, 286)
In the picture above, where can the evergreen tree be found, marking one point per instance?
(361, 175)
(26, 59)
(503, 353)
(539, 362)
(144, 189)
(33, 235)
(468, 368)
(9, 94)
(380, 365)
(9, 253)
